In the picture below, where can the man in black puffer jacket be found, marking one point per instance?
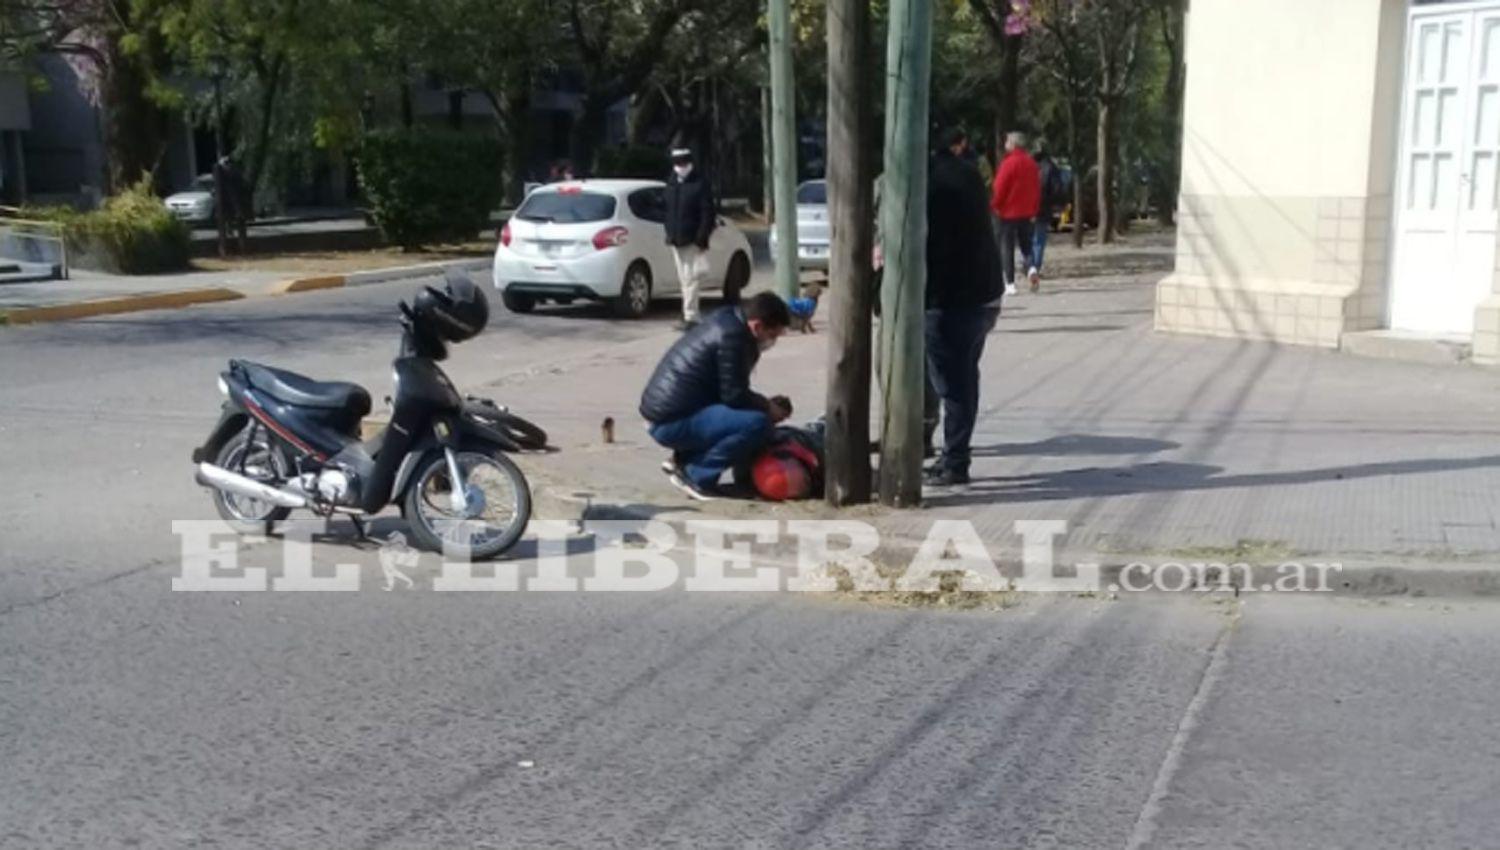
(691, 218)
(699, 402)
(963, 298)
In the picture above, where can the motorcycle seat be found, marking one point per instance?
(299, 391)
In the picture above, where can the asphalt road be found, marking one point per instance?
(133, 716)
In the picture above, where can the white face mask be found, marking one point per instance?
(682, 171)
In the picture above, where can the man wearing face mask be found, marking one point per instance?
(699, 404)
(691, 217)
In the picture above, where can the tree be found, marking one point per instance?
(617, 44)
(498, 49)
(254, 45)
(1006, 23)
(1062, 52)
(1171, 19)
(118, 50)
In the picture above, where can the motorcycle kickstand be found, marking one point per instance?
(360, 529)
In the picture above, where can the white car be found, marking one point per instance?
(813, 231)
(604, 240)
(196, 203)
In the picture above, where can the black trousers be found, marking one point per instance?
(955, 344)
(1014, 235)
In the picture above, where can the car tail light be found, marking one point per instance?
(612, 237)
(505, 235)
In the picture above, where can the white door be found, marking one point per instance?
(1446, 201)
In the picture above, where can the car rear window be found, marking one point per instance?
(813, 193)
(565, 207)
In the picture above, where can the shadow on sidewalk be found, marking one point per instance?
(1067, 329)
(1138, 479)
(1070, 445)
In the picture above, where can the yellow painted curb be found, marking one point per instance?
(111, 306)
(309, 284)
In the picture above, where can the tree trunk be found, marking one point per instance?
(134, 127)
(588, 130)
(1108, 155)
(904, 233)
(1080, 169)
(1169, 183)
(850, 205)
(270, 90)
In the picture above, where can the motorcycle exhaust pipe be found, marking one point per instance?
(222, 479)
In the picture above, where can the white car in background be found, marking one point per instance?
(604, 240)
(813, 232)
(194, 204)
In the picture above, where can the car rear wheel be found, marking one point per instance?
(737, 278)
(634, 300)
(518, 303)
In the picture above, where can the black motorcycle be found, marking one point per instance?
(285, 442)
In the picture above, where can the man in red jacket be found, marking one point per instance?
(1016, 201)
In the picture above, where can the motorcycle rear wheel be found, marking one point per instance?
(264, 462)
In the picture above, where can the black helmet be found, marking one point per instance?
(454, 313)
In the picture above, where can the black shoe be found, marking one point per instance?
(945, 478)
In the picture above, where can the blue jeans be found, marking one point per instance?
(714, 439)
(1039, 240)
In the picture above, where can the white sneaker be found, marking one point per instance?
(1010, 289)
(1035, 276)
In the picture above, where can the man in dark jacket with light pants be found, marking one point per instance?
(691, 217)
(963, 291)
(699, 403)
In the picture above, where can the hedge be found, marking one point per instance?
(428, 186)
(133, 233)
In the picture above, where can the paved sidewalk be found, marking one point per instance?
(1144, 443)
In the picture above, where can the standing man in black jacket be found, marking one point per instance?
(699, 403)
(691, 217)
(963, 292)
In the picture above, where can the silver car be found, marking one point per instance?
(812, 226)
(194, 204)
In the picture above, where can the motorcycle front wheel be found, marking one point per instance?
(498, 506)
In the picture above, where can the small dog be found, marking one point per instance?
(805, 307)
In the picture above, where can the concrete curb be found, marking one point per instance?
(308, 284)
(188, 297)
(410, 272)
(114, 306)
(1365, 576)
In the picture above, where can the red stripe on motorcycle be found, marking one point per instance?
(266, 420)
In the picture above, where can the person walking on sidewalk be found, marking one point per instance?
(698, 402)
(691, 218)
(1016, 201)
(1054, 196)
(963, 292)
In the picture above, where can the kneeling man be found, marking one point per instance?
(699, 403)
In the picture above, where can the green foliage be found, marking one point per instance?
(133, 233)
(642, 162)
(427, 186)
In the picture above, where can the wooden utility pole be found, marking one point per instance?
(850, 207)
(904, 234)
(784, 143)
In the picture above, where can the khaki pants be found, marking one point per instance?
(692, 272)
